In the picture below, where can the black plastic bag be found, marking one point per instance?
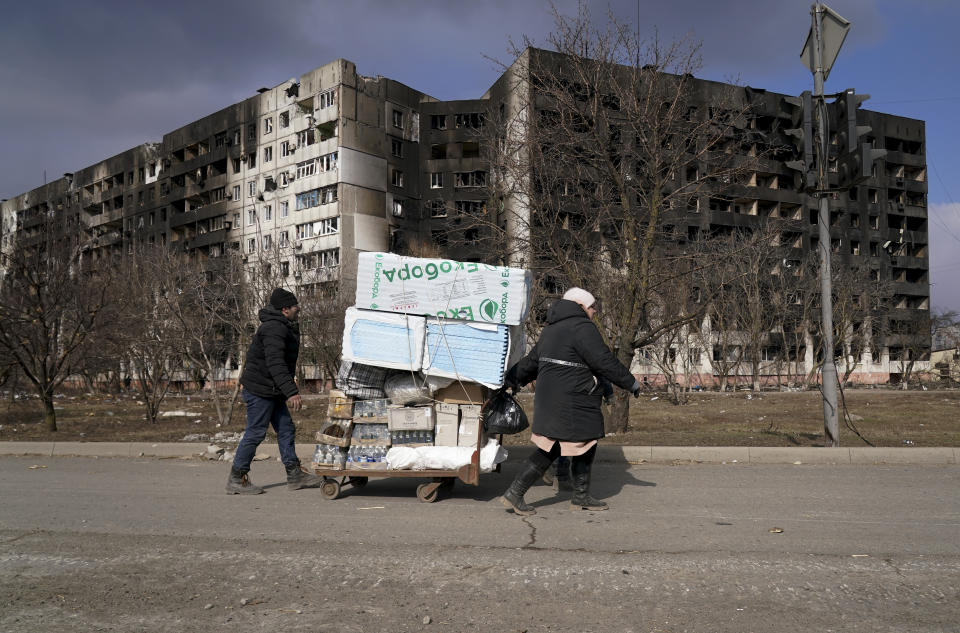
(503, 414)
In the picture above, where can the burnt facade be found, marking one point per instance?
(332, 163)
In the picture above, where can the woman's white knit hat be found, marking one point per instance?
(579, 295)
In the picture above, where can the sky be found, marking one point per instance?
(83, 81)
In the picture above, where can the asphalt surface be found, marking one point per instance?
(149, 544)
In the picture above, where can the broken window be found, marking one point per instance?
(438, 121)
(236, 165)
(438, 152)
(328, 194)
(236, 136)
(472, 120)
(470, 179)
(396, 147)
(398, 119)
(468, 207)
(251, 217)
(436, 180)
(284, 119)
(396, 177)
(268, 125)
(437, 208)
(282, 239)
(327, 130)
(251, 160)
(397, 208)
(252, 245)
(285, 149)
(267, 212)
(267, 242)
(306, 137)
(327, 98)
(327, 162)
(251, 188)
(268, 153)
(307, 168)
(251, 132)
(470, 149)
(308, 199)
(220, 139)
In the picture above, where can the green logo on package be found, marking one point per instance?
(374, 306)
(504, 283)
(489, 310)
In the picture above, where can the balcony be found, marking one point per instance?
(203, 213)
(212, 156)
(206, 239)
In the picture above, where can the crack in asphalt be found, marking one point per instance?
(533, 534)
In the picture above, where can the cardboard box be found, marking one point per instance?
(442, 287)
(469, 425)
(339, 405)
(336, 432)
(447, 425)
(411, 418)
(462, 393)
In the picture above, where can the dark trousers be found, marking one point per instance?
(262, 413)
(543, 459)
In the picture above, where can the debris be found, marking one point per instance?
(36, 466)
(373, 508)
(775, 530)
(208, 606)
(860, 555)
(259, 457)
(654, 398)
(244, 601)
(908, 442)
(426, 619)
(797, 463)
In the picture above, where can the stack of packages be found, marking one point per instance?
(422, 345)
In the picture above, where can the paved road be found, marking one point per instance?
(154, 545)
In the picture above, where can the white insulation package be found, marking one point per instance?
(382, 339)
(442, 287)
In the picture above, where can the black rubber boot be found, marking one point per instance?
(513, 497)
(581, 488)
(563, 481)
(299, 477)
(239, 484)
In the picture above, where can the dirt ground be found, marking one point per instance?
(885, 417)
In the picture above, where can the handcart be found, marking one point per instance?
(357, 476)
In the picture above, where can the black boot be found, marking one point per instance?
(513, 497)
(563, 481)
(581, 488)
(239, 483)
(299, 477)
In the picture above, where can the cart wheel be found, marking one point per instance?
(358, 482)
(330, 489)
(428, 493)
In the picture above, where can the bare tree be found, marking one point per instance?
(50, 308)
(602, 151)
(148, 336)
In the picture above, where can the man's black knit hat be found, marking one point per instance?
(283, 299)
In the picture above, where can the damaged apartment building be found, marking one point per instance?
(333, 163)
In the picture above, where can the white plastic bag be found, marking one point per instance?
(404, 458)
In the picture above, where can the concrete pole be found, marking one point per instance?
(828, 373)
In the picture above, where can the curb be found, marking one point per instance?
(616, 454)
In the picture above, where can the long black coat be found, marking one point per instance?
(568, 398)
(272, 357)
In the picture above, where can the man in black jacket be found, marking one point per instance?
(570, 363)
(270, 393)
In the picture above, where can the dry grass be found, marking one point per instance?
(884, 417)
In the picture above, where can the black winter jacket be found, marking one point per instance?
(568, 397)
(272, 357)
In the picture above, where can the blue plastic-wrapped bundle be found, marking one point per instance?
(467, 351)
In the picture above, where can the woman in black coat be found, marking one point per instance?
(571, 365)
